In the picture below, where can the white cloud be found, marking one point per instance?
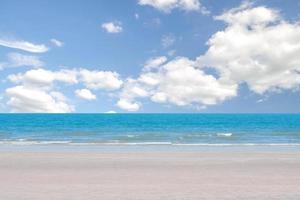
(159, 97)
(17, 60)
(136, 16)
(131, 90)
(57, 42)
(178, 82)
(168, 5)
(20, 60)
(24, 45)
(149, 78)
(69, 76)
(34, 78)
(112, 27)
(181, 83)
(100, 79)
(38, 78)
(85, 94)
(91, 79)
(257, 47)
(36, 91)
(24, 99)
(154, 62)
(128, 105)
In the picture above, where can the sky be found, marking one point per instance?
(150, 56)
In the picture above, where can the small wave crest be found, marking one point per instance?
(224, 134)
(154, 143)
(30, 142)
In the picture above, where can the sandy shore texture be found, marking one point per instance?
(149, 175)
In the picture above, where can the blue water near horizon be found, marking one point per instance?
(145, 129)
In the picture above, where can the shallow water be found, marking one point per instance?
(145, 129)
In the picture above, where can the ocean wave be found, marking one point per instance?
(116, 143)
(137, 143)
(237, 144)
(30, 142)
(224, 134)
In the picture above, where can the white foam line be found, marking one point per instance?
(242, 144)
(224, 134)
(136, 143)
(24, 142)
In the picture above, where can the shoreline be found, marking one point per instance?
(83, 147)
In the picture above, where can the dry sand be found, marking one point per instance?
(149, 175)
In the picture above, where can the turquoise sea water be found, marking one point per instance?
(143, 129)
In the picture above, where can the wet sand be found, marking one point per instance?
(96, 174)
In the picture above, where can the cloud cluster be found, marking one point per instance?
(257, 47)
(25, 99)
(178, 82)
(35, 89)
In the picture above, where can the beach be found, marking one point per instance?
(112, 173)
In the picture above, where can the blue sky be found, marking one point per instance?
(95, 56)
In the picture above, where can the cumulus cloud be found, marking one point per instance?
(154, 62)
(168, 5)
(178, 82)
(181, 83)
(26, 99)
(92, 79)
(100, 79)
(24, 45)
(257, 47)
(35, 93)
(112, 27)
(131, 90)
(57, 42)
(85, 94)
(128, 105)
(38, 78)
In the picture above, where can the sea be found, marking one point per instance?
(150, 129)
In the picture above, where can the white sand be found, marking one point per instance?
(149, 175)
